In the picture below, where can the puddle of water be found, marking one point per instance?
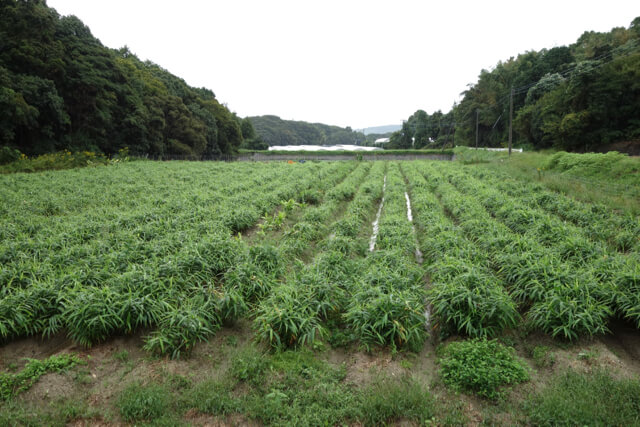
(418, 253)
(409, 215)
(419, 257)
(376, 225)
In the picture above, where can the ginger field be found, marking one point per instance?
(367, 258)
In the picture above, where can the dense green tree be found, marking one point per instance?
(61, 88)
(421, 129)
(402, 139)
(247, 129)
(576, 97)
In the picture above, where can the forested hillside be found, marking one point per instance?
(60, 88)
(578, 97)
(275, 131)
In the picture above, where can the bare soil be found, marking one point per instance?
(113, 365)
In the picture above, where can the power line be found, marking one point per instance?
(494, 125)
(627, 50)
(597, 58)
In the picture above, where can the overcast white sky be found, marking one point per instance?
(346, 63)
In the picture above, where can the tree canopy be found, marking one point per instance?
(60, 88)
(578, 97)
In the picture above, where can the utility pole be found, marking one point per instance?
(510, 120)
(477, 112)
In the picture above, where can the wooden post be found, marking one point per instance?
(510, 120)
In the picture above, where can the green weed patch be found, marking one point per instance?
(482, 367)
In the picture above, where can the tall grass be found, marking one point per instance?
(574, 398)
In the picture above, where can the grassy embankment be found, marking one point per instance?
(611, 179)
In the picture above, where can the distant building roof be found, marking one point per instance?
(381, 141)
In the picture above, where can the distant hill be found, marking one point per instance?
(380, 129)
(276, 131)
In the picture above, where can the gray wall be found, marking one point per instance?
(258, 157)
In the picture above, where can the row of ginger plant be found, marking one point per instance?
(560, 293)
(465, 294)
(294, 311)
(176, 290)
(615, 274)
(620, 231)
(138, 217)
(348, 292)
(483, 270)
(251, 274)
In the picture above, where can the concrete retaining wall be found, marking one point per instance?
(258, 157)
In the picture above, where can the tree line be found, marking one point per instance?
(273, 130)
(577, 98)
(60, 88)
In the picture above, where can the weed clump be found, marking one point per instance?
(594, 399)
(387, 400)
(13, 384)
(143, 403)
(481, 366)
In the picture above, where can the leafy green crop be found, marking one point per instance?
(382, 317)
(288, 317)
(173, 249)
(473, 304)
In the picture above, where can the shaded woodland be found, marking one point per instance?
(60, 88)
(576, 98)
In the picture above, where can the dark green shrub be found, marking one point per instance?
(8, 155)
(57, 161)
